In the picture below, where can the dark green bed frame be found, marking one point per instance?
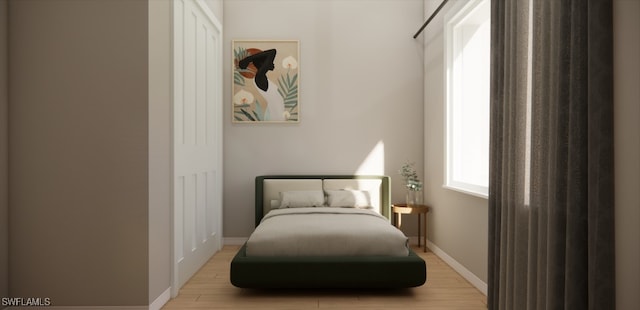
(326, 272)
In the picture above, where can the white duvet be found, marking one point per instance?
(326, 232)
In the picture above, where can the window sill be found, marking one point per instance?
(466, 191)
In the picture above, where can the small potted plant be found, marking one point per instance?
(412, 183)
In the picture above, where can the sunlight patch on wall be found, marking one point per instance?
(373, 164)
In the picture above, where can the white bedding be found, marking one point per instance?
(326, 231)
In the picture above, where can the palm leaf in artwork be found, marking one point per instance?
(239, 54)
(293, 80)
(247, 115)
(238, 79)
(288, 89)
(237, 109)
(257, 111)
(238, 115)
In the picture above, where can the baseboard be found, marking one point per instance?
(234, 240)
(161, 300)
(459, 268)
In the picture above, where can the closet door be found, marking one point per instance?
(197, 138)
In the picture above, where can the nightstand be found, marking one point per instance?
(399, 209)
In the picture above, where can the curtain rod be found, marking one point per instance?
(430, 18)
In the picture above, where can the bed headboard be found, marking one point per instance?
(268, 188)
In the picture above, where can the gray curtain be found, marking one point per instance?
(551, 242)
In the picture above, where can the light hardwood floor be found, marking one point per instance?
(210, 288)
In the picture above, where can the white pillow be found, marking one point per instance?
(349, 198)
(301, 199)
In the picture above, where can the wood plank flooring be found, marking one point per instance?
(210, 288)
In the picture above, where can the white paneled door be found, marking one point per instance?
(197, 123)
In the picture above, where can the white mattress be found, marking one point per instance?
(324, 231)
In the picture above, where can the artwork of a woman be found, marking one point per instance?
(259, 63)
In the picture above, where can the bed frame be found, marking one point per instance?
(325, 272)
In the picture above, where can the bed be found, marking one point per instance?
(298, 263)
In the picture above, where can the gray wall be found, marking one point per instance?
(160, 147)
(4, 199)
(626, 49)
(458, 222)
(360, 93)
(79, 151)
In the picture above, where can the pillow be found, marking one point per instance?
(301, 199)
(349, 198)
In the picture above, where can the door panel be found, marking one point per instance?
(197, 138)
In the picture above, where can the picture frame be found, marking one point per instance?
(266, 78)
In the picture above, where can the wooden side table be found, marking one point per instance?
(422, 210)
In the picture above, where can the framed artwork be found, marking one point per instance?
(265, 81)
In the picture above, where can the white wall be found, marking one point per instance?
(458, 223)
(626, 48)
(360, 94)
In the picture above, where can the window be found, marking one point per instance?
(467, 53)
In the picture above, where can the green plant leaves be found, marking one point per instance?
(288, 89)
